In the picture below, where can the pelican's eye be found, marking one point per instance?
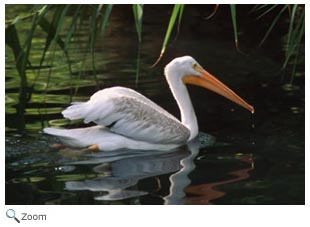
(194, 66)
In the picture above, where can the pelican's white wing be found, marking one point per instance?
(130, 114)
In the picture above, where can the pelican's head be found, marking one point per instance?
(189, 71)
(182, 66)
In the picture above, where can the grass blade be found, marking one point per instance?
(291, 25)
(272, 7)
(138, 13)
(272, 25)
(53, 29)
(180, 16)
(234, 22)
(105, 19)
(12, 40)
(296, 38)
(173, 17)
(179, 22)
(258, 7)
(213, 12)
(71, 28)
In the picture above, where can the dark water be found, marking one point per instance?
(243, 158)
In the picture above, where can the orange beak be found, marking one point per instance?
(210, 82)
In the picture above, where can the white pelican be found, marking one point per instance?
(127, 119)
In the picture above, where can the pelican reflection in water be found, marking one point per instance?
(124, 169)
(122, 173)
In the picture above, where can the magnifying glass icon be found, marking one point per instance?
(10, 213)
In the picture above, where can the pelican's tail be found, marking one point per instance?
(77, 110)
(81, 137)
(71, 137)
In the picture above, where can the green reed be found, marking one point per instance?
(52, 19)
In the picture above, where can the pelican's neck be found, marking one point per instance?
(180, 93)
